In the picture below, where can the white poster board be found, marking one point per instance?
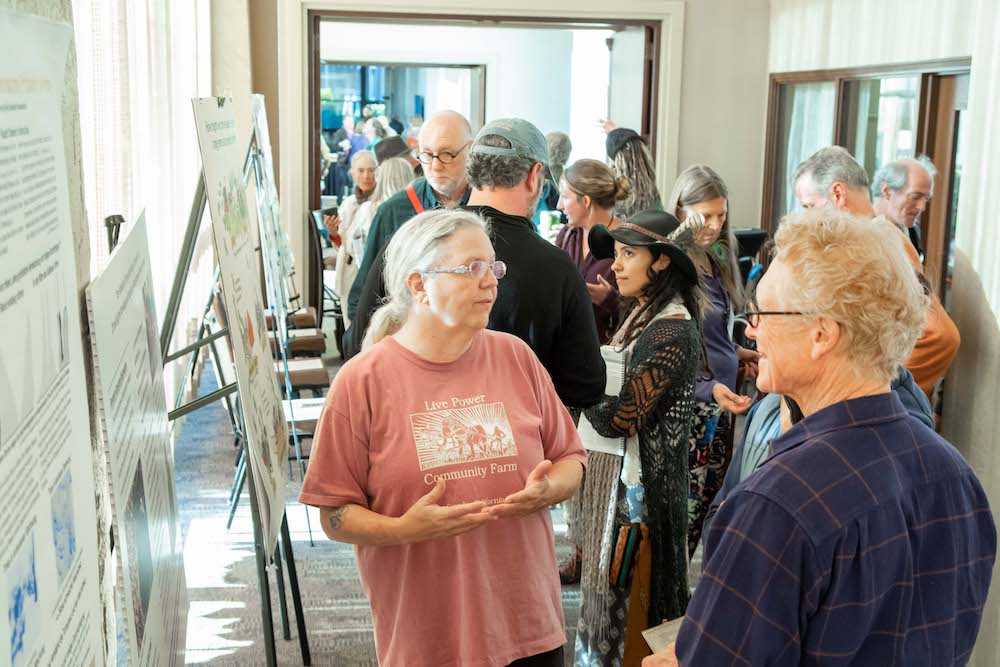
(132, 412)
(266, 433)
(279, 264)
(48, 553)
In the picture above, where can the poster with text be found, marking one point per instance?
(48, 554)
(266, 433)
(132, 410)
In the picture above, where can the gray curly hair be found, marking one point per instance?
(497, 171)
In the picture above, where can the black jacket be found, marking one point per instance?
(542, 300)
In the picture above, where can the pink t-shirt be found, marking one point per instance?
(393, 424)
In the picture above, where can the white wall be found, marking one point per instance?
(625, 95)
(527, 70)
(826, 34)
(823, 34)
(724, 97)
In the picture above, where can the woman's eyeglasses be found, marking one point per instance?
(477, 269)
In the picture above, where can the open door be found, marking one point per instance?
(948, 99)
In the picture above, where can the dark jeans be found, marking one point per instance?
(552, 658)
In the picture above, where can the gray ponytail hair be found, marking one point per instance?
(414, 247)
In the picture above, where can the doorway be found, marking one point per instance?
(563, 75)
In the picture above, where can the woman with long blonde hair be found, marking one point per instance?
(700, 191)
(438, 453)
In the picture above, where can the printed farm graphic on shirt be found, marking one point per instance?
(461, 434)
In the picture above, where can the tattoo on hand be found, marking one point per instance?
(336, 516)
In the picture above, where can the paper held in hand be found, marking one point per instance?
(663, 635)
(615, 362)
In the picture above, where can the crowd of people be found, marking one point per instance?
(373, 135)
(836, 526)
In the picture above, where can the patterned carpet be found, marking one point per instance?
(224, 622)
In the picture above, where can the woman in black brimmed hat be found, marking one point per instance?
(645, 562)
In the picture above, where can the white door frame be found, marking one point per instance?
(293, 68)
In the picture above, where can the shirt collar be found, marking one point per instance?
(493, 214)
(429, 198)
(845, 414)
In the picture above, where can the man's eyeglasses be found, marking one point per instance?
(753, 313)
(444, 157)
(477, 269)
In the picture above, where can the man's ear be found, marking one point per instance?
(824, 337)
(838, 194)
(885, 191)
(535, 175)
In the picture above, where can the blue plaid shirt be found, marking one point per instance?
(864, 539)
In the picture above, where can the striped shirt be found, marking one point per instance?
(864, 539)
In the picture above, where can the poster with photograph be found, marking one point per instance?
(132, 413)
(48, 554)
(265, 429)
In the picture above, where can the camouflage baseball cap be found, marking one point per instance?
(525, 139)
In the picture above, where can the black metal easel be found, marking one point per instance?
(207, 338)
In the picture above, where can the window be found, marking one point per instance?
(880, 114)
(880, 117)
(806, 126)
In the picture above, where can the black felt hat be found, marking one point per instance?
(650, 229)
(390, 147)
(617, 138)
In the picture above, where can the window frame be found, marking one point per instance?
(926, 71)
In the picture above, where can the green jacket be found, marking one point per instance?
(391, 215)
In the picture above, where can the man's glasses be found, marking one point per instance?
(477, 269)
(444, 157)
(753, 313)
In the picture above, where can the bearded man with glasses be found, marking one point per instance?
(443, 149)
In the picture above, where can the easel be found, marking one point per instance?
(284, 546)
(278, 300)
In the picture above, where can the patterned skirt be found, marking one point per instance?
(710, 449)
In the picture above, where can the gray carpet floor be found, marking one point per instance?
(224, 619)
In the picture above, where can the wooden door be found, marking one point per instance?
(947, 97)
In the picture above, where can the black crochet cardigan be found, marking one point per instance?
(657, 404)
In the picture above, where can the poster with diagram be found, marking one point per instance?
(266, 434)
(135, 435)
(48, 553)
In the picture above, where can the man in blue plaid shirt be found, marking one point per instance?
(865, 538)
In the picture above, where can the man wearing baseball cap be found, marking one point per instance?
(542, 299)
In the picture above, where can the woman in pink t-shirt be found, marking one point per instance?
(438, 453)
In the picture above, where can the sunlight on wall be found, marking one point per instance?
(590, 63)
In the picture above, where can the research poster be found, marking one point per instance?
(276, 251)
(135, 435)
(48, 553)
(266, 433)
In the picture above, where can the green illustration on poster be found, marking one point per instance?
(233, 204)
